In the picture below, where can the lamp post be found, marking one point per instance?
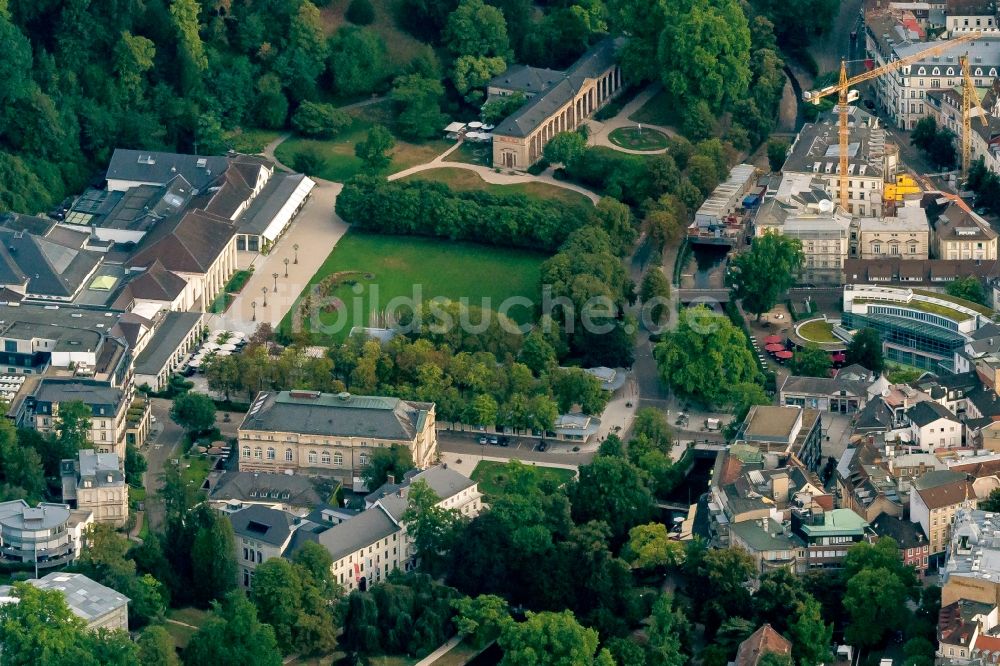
(253, 305)
(295, 248)
(275, 276)
(264, 290)
(286, 266)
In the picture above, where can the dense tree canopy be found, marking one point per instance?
(760, 275)
(705, 357)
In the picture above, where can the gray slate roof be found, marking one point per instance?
(263, 524)
(90, 393)
(293, 490)
(538, 108)
(443, 480)
(174, 327)
(928, 411)
(260, 213)
(817, 143)
(51, 268)
(18, 515)
(366, 528)
(160, 168)
(526, 79)
(341, 415)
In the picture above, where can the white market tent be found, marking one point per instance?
(454, 128)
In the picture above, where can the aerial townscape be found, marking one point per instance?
(499, 332)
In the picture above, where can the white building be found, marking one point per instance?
(933, 427)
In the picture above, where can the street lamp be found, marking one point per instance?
(296, 249)
(264, 289)
(253, 304)
(286, 266)
(275, 276)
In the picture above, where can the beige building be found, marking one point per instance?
(110, 420)
(557, 102)
(308, 432)
(934, 499)
(365, 547)
(961, 234)
(94, 482)
(905, 236)
(871, 160)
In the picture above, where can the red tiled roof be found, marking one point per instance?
(763, 641)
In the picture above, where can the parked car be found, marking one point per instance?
(542, 445)
(494, 440)
(483, 441)
(504, 441)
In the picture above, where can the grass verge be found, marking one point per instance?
(464, 180)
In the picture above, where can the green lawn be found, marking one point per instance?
(197, 470)
(635, 139)
(817, 330)
(661, 109)
(462, 179)
(238, 281)
(403, 47)
(492, 478)
(250, 141)
(387, 267)
(981, 309)
(472, 153)
(339, 161)
(182, 634)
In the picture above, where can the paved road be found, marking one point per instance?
(836, 43)
(158, 452)
(521, 448)
(599, 130)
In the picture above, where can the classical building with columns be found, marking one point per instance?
(557, 102)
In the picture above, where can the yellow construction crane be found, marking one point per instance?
(845, 95)
(969, 96)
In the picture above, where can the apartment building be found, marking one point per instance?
(872, 159)
(259, 534)
(109, 408)
(934, 499)
(313, 433)
(904, 236)
(961, 234)
(94, 482)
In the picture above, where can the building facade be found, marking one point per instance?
(48, 535)
(95, 483)
(557, 102)
(934, 499)
(905, 236)
(308, 432)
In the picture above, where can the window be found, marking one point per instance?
(876, 248)
(246, 451)
(288, 455)
(270, 453)
(338, 459)
(312, 457)
(258, 453)
(363, 459)
(325, 458)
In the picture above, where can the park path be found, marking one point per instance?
(599, 130)
(491, 176)
(269, 149)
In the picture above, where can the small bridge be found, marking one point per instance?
(688, 296)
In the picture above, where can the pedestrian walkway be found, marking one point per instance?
(315, 230)
(491, 176)
(599, 130)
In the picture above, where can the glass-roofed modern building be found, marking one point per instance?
(919, 327)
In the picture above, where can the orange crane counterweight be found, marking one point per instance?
(845, 96)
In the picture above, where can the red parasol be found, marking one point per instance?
(772, 340)
(774, 348)
(784, 355)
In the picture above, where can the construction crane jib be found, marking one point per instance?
(969, 98)
(845, 96)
